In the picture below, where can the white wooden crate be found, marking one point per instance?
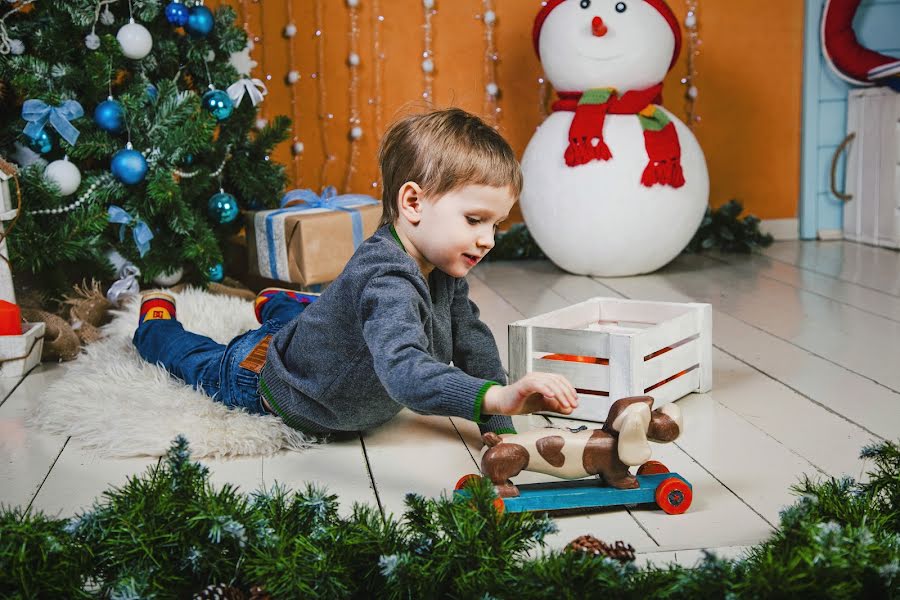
(19, 353)
(623, 348)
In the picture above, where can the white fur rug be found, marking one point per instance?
(118, 405)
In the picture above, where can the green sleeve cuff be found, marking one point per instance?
(503, 430)
(479, 400)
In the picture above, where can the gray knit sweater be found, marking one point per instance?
(379, 338)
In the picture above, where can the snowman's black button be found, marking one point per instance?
(620, 7)
(585, 3)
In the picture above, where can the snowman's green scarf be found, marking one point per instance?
(586, 132)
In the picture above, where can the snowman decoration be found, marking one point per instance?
(614, 184)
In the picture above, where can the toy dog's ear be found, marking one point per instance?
(632, 424)
(666, 424)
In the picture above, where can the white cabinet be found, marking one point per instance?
(872, 211)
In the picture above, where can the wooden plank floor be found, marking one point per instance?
(806, 338)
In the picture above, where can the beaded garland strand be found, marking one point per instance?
(692, 24)
(319, 76)
(292, 79)
(492, 108)
(353, 62)
(378, 74)
(428, 52)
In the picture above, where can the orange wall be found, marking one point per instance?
(749, 78)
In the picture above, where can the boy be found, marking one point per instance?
(382, 335)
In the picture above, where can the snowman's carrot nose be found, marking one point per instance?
(598, 27)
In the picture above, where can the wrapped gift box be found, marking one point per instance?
(309, 244)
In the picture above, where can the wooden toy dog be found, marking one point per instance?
(607, 452)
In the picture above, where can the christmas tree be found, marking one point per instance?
(134, 125)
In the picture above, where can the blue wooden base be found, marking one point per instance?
(582, 494)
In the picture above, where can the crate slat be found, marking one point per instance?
(675, 389)
(666, 365)
(570, 341)
(638, 311)
(583, 376)
(667, 333)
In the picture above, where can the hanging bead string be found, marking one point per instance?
(378, 75)
(492, 108)
(353, 61)
(544, 93)
(319, 76)
(428, 52)
(103, 179)
(6, 44)
(692, 24)
(213, 174)
(292, 79)
(261, 120)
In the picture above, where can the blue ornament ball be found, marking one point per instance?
(110, 116)
(43, 143)
(200, 22)
(177, 14)
(223, 208)
(152, 93)
(216, 273)
(218, 103)
(129, 166)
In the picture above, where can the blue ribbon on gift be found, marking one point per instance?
(38, 113)
(140, 230)
(304, 200)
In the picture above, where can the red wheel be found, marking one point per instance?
(465, 480)
(652, 467)
(673, 496)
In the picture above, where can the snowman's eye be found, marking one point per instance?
(621, 7)
(585, 3)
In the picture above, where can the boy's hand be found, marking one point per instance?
(533, 392)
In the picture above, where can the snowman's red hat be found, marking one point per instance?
(659, 5)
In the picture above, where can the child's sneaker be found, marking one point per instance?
(269, 293)
(157, 305)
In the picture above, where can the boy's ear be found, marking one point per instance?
(409, 200)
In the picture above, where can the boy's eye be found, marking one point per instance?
(473, 220)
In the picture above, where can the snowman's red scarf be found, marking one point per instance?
(660, 137)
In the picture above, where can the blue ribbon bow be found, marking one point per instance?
(140, 230)
(38, 112)
(304, 200)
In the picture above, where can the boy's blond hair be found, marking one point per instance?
(443, 151)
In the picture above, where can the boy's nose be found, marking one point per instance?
(598, 27)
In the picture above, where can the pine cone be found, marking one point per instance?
(220, 591)
(591, 545)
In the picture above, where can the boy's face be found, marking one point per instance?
(456, 231)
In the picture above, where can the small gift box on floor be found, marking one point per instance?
(310, 238)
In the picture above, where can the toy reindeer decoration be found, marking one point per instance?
(607, 452)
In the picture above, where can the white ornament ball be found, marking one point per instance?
(65, 175)
(353, 59)
(106, 17)
(356, 132)
(170, 278)
(297, 148)
(492, 89)
(16, 47)
(428, 65)
(135, 40)
(490, 17)
(210, 56)
(290, 30)
(92, 41)
(693, 92)
(293, 77)
(352, 3)
(261, 124)
(429, 4)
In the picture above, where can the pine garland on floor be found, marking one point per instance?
(170, 534)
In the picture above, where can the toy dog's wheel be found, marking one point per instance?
(465, 480)
(673, 496)
(652, 467)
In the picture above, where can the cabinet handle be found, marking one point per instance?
(834, 161)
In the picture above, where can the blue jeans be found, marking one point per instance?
(208, 365)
